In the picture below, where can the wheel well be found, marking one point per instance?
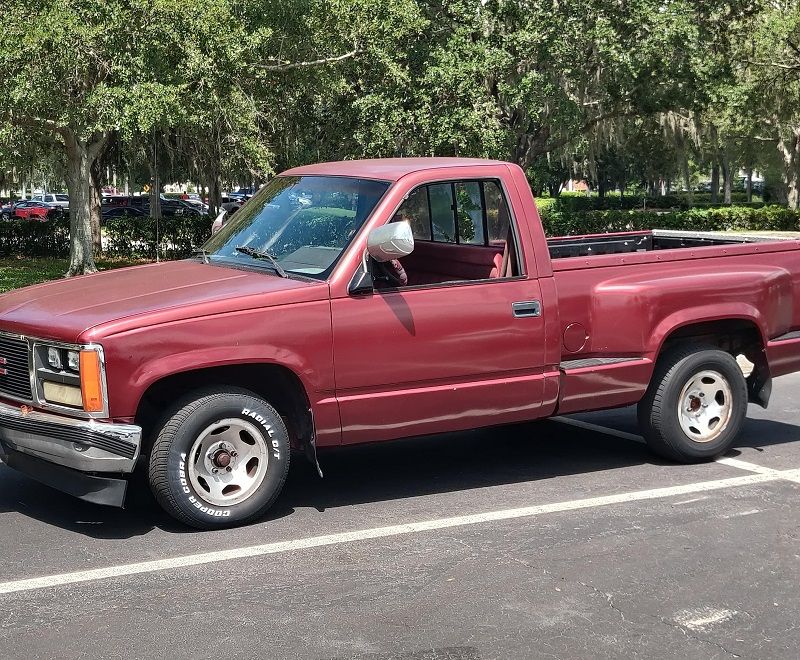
(276, 384)
(739, 337)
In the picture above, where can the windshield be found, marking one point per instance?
(305, 223)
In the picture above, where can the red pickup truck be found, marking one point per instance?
(364, 301)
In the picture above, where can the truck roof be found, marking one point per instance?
(386, 169)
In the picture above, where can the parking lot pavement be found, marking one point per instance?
(563, 538)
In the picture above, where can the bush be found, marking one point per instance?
(730, 218)
(34, 238)
(126, 237)
(136, 236)
(581, 203)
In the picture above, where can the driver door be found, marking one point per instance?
(462, 345)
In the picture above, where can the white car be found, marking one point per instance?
(56, 199)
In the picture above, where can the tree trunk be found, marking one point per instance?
(790, 150)
(715, 182)
(95, 208)
(79, 181)
(749, 184)
(727, 175)
(214, 193)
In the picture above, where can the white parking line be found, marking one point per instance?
(787, 475)
(112, 572)
(747, 465)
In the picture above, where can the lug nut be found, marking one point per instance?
(214, 470)
(228, 469)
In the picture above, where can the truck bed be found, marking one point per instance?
(641, 241)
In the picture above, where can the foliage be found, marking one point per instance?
(633, 95)
(768, 218)
(172, 237)
(566, 203)
(32, 238)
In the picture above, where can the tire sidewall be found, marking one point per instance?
(260, 415)
(727, 367)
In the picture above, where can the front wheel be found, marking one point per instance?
(220, 459)
(695, 405)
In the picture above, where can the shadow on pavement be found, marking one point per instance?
(387, 471)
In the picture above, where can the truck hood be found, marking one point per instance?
(88, 307)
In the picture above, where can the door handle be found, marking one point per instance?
(526, 308)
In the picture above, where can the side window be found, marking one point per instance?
(415, 211)
(463, 230)
(469, 205)
(442, 219)
(497, 220)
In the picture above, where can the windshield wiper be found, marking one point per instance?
(262, 254)
(203, 254)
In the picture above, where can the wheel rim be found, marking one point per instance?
(228, 462)
(704, 406)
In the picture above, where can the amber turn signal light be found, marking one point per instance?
(91, 382)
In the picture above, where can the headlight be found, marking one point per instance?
(70, 377)
(54, 358)
(73, 360)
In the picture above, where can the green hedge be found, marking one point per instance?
(176, 237)
(580, 202)
(33, 238)
(127, 237)
(731, 218)
(135, 237)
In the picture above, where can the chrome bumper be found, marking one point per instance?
(80, 444)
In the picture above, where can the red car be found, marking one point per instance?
(365, 301)
(32, 210)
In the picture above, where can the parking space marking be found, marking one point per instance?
(787, 475)
(747, 465)
(112, 572)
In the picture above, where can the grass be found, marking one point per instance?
(16, 272)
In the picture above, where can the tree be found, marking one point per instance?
(771, 75)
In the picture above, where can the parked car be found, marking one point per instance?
(426, 300)
(121, 212)
(135, 201)
(55, 199)
(34, 210)
(169, 207)
(5, 210)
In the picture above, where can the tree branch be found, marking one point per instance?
(588, 125)
(775, 65)
(31, 121)
(287, 66)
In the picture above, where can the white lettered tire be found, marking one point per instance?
(220, 459)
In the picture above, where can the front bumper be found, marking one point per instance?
(87, 487)
(79, 444)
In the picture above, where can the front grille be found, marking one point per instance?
(16, 381)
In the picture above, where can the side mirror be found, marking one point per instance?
(392, 241)
(219, 221)
(362, 282)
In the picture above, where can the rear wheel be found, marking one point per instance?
(695, 405)
(220, 459)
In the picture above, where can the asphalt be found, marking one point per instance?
(591, 573)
